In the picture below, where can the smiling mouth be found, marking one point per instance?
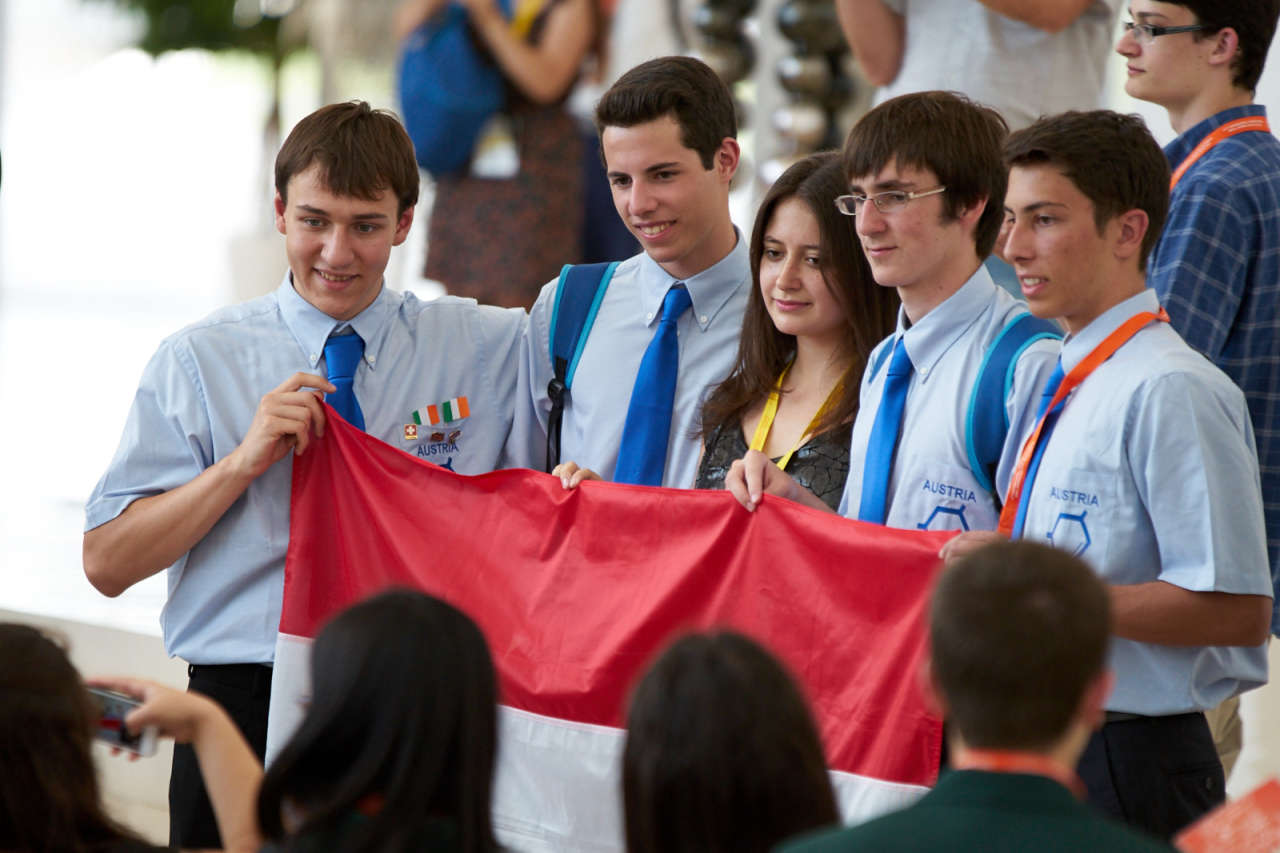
(653, 229)
(334, 277)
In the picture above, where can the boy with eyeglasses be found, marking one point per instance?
(926, 185)
(1216, 267)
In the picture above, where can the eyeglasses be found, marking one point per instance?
(1144, 33)
(885, 202)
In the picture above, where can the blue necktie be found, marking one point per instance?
(341, 355)
(884, 437)
(643, 454)
(1055, 379)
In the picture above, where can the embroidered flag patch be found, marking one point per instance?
(442, 413)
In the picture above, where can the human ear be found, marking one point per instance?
(1131, 228)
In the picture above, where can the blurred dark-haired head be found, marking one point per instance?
(1018, 633)
(721, 753)
(49, 796)
(403, 709)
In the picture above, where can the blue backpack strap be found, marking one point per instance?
(987, 421)
(579, 293)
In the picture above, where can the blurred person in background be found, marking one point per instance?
(50, 799)
(722, 755)
(1018, 639)
(500, 229)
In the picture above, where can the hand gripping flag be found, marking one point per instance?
(576, 591)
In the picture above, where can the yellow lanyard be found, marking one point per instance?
(771, 411)
(522, 19)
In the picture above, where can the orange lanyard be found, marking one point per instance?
(1011, 761)
(1078, 374)
(1231, 128)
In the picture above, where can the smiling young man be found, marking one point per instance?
(668, 136)
(200, 483)
(1146, 471)
(926, 182)
(1217, 266)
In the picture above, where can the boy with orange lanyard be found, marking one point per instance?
(1141, 462)
(1217, 266)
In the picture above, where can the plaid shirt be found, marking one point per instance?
(1217, 271)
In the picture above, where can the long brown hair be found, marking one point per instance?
(869, 310)
(49, 796)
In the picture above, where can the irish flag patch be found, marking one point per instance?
(442, 413)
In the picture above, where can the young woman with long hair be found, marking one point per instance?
(814, 315)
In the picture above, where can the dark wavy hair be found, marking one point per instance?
(49, 795)
(722, 755)
(403, 709)
(679, 86)
(869, 309)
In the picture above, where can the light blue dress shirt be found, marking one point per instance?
(1150, 474)
(932, 486)
(596, 406)
(199, 394)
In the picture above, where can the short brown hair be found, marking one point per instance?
(1111, 158)
(362, 152)
(1018, 631)
(679, 86)
(948, 134)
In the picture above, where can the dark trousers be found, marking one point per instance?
(244, 690)
(1155, 773)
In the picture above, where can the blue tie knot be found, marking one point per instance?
(676, 302)
(341, 355)
(1051, 388)
(900, 364)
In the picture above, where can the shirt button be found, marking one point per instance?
(703, 319)
(649, 316)
(314, 358)
(372, 360)
(924, 371)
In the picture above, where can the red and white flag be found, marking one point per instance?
(576, 591)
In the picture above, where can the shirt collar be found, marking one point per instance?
(927, 340)
(1178, 149)
(311, 327)
(1079, 345)
(709, 290)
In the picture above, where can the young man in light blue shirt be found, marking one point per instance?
(668, 135)
(199, 486)
(1144, 467)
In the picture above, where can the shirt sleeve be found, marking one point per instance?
(1200, 265)
(167, 438)
(1030, 377)
(1191, 455)
(527, 444)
